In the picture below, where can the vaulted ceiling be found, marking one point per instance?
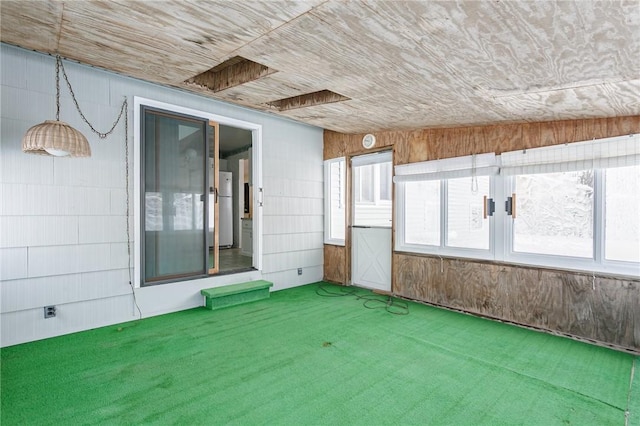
(360, 66)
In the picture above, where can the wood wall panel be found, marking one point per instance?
(431, 144)
(418, 146)
(401, 152)
(621, 125)
(558, 301)
(334, 264)
(563, 302)
(334, 145)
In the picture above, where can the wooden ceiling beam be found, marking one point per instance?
(232, 72)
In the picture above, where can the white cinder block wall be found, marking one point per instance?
(63, 222)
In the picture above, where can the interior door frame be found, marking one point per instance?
(350, 200)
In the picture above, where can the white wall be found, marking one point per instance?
(62, 220)
(233, 167)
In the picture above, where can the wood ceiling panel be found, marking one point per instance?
(520, 46)
(266, 89)
(168, 41)
(404, 64)
(601, 100)
(382, 114)
(37, 22)
(310, 47)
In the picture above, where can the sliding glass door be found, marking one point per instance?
(176, 196)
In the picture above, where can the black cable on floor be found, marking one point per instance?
(388, 303)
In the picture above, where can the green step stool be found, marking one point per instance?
(235, 294)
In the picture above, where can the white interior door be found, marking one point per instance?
(371, 221)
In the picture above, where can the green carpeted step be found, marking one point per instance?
(235, 294)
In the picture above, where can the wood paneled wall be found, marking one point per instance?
(335, 264)
(558, 301)
(603, 309)
(431, 144)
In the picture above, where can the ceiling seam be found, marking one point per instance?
(60, 29)
(233, 52)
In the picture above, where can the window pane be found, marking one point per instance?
(174, 184)
(367, 210)
(622, 214)
(422, 213)
(336, 200)
(554, 214)
(363, 178)
(466, 226)
(385, 181)
(153, 211)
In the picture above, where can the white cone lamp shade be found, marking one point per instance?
(55, 138)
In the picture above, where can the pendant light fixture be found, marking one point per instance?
(54, 137)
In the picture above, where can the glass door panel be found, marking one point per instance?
(174, 212)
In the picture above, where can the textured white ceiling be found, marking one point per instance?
(403, 64)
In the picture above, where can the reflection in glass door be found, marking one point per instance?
(174, 212)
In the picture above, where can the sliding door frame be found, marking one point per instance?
(256, 132)
(215, 268)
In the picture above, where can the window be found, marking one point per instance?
(422, 213)
(385, 181)
(334, 195)
(554, 214)
(442, 206)
(573, 206)
(372, 182)
(437, 223)
(622, 214)
(467, 226)
(363, 178)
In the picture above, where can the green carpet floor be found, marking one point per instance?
(298, 358)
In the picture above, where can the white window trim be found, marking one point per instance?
(501, 225)
(580, 264)
(448, 168)
(327, 197)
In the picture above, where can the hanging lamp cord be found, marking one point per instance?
(124, 111)
(125, 108)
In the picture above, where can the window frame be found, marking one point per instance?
(502, 227)
(596, 263)
(442, 249)
(376, 193)
(329, 218)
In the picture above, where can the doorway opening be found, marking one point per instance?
(235, 200)
(371, 220)
(193, 190)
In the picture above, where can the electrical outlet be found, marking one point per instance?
(49, 311)
(299, 271)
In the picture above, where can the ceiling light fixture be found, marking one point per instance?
(54, 137)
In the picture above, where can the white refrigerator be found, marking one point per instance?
(225, 201)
